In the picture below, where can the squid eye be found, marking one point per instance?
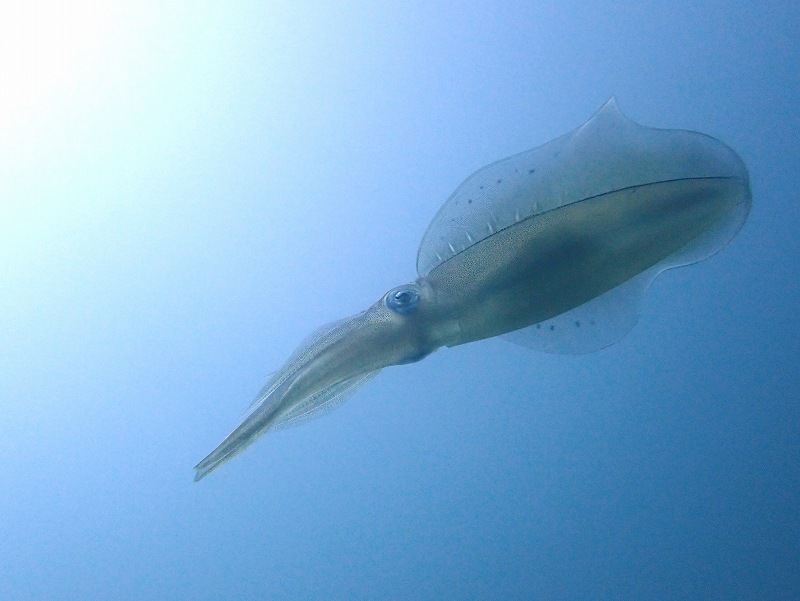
(403, 300)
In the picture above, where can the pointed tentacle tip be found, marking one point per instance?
(201, 472)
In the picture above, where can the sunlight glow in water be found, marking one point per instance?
(46, 49)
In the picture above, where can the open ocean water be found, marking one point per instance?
(188, 189)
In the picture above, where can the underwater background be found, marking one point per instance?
(188, 189)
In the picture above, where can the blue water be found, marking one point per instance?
(199, 187)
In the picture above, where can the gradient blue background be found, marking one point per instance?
(201, 185)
